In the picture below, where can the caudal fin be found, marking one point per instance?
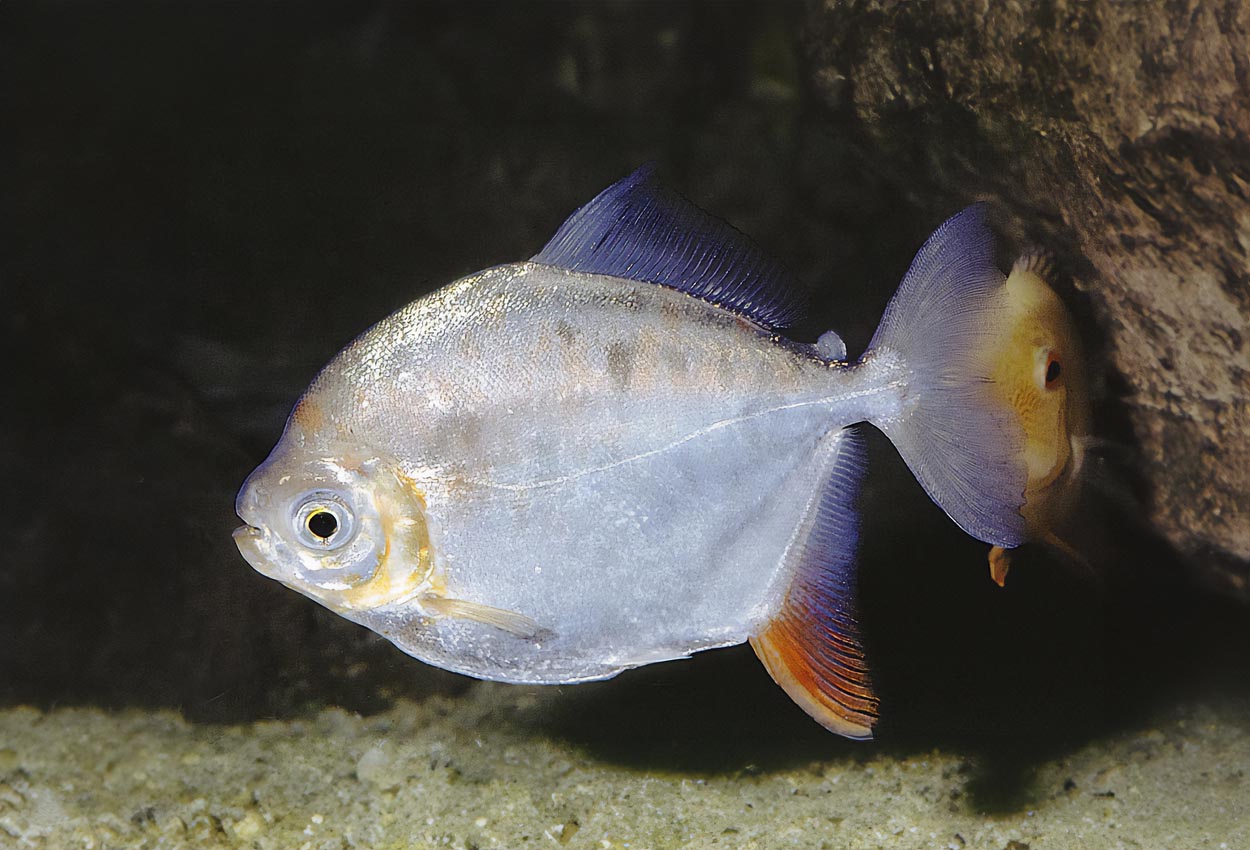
(962, 444)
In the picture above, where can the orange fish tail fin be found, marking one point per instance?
(812, 647)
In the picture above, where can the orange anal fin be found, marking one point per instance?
(837, 695)
(812, 646)
(1000, 563)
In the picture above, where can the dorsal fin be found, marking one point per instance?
(812, 646)
(641, 230)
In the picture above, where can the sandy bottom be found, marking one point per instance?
(484, 770)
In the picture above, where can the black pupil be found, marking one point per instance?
(323, 524)
(1052, 372)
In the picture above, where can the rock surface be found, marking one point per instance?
(1119, 136)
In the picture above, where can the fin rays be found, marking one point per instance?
(641, 230)
(961, 445)
(512, 622)
(812, 647)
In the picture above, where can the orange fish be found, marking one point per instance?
(1038, 370)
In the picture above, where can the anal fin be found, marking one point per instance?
(812, 647)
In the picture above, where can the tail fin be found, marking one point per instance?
(962, 445)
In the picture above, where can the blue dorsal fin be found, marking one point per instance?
(641, 230)
(812, 647)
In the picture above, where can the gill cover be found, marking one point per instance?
(350, 534)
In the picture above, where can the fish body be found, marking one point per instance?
(1040, 368)
(633, 460)
(552, 471)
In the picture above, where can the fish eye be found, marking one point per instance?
(323, 521)
(322, 524)
(1053, 371)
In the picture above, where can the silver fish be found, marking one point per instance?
(610, 455)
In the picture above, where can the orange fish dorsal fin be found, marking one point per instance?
(812, 646)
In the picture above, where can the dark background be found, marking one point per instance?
(203, 202)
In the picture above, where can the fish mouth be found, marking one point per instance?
(248, 538)
(245, 533)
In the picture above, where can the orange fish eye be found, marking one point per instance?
(1053, 371)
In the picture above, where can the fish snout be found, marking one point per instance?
(249, 539)
(251, 501)
(246, 535)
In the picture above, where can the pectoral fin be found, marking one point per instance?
(500, 618)
(1000, 558)
(1000, 564)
